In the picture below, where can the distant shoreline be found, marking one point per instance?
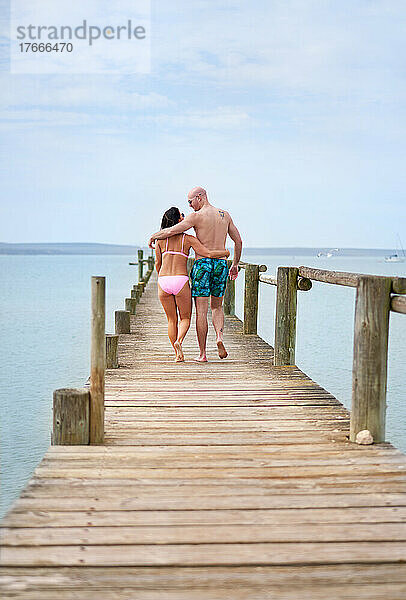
(110, 249)
(66, 249)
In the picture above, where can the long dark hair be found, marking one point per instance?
(171, 217)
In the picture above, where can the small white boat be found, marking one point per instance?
(328, 254)
(396, 257)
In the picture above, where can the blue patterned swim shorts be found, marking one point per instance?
(209, 277)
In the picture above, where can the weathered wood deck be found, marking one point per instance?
(230, 480)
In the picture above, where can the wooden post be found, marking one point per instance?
(369, 371)
(71, 417)
(251, 298)
(111, 351)
(140, 264)
(130, 305)
(285, 318)
(122, 321)
(151, 263)
(97, 361)
(229, 294)
(136, 292)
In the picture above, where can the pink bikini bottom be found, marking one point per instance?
(172, 284)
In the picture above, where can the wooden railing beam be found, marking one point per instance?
(398, 304)
(243, 265)
(399, 285)
(335, 277)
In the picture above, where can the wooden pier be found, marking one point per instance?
(230, 480)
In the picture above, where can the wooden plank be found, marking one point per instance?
(218, 414)
(222, 438)
(211, 578)
(202, 533)
(343, 449)
(82, 512)
(214, 403)
(205, 554)
(301, 421)
(249, 463)
(319, 491)
(353, 470)
(379, 591)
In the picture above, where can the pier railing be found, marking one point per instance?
(376, 297)
(78, 414)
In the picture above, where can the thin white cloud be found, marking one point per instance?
(222, 118)
(219, 118)
(90, 94)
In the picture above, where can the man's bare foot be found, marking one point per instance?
(221, 350)
(179, 352)
(201, 358)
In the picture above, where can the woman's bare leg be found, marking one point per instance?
(169, 306)
(184, 303)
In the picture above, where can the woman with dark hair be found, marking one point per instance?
(171, 256)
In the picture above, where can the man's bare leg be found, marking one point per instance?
(202, 304)
(217, 313)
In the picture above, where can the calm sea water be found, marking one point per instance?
(45, 341)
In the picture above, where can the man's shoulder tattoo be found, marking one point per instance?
(221, 213)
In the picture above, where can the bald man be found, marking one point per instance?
(209, 276)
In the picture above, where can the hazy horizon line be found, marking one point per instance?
(124, 245)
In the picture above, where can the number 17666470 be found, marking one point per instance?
(33, 47)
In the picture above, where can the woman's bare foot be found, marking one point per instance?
(221, 350)
(179, 352)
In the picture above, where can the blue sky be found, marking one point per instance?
(291, 114)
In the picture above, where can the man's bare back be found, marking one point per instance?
(211, 227)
